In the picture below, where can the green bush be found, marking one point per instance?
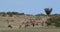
(54, 19)
(57, 24)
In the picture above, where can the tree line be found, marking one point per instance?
(10, 13)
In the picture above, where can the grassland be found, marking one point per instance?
(16, 20)
(32, 29)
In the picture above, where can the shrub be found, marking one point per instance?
(54, 19)
(57, 24)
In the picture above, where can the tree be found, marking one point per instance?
(48, 10)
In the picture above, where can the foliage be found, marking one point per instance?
(40, 14)
(48, 10)
(29, 14)
(10, 13)
(3, 14)
(54, 19)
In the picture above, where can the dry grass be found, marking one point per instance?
(17, 20)
(31, 29)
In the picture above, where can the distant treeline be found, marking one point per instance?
(10, 13)
(14, 13)
(17, 13)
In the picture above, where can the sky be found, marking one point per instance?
(29, 6)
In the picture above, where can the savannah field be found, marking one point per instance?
(16, 20)
(22, 23)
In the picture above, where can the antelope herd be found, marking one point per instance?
(29, 23)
